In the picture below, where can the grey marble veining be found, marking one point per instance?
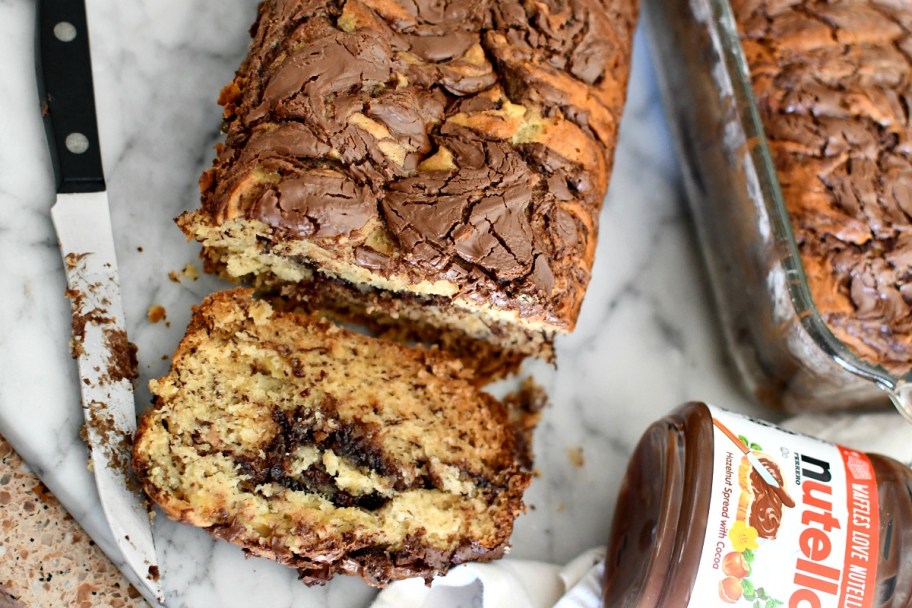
(647, 338)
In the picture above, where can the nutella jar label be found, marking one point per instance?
(793, 521)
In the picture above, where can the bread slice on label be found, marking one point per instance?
(761, 505)
(330, 451)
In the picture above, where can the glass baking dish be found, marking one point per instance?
(783, 350)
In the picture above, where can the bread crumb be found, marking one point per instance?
(190, 273)
(575, 455)
(561, 507)
(156, 313)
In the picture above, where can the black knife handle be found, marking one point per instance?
(65, 89)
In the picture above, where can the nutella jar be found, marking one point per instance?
(717, 509)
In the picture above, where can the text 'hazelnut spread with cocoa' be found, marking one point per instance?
(757, 517)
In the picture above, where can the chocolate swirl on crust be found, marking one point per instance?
(832, 82)
(472, 138)
(766, 511)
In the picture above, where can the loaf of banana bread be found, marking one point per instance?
(833, 81)
(441, 164)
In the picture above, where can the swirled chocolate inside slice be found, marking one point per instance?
(330, 451)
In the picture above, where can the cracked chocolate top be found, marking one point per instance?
(833, 81)
(466, 141)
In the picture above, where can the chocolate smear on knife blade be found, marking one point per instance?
(121, 365)
(116, 444)
(122, 361)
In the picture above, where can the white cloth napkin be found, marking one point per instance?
(529, 584)
(515, 583)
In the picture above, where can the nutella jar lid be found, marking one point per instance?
(649, 509)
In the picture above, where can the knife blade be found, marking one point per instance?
(81, 217)
(764, 473)
(762, 470)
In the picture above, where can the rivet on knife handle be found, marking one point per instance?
(67, 96)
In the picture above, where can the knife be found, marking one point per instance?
(751, 457)
(105, 358)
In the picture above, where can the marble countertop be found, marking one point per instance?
(647, 339)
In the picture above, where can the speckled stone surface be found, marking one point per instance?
(6, 601)
(46, 559)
